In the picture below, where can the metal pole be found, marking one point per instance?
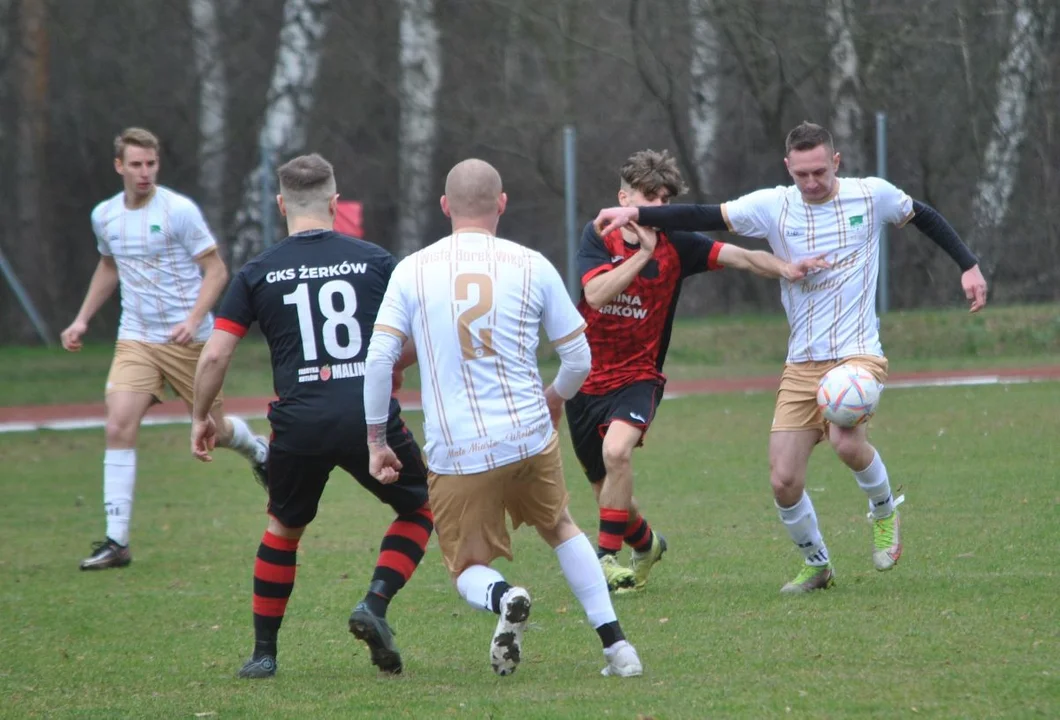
(571, 198)
(883, 294)
(25, 301)
(268, 234)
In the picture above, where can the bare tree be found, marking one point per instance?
(1000, 164)
(703, 92)
(421, 69)
(283, 129)
(844, 86)
(213, 100)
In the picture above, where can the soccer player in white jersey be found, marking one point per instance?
(832, 316)
(155, 246)
(472, 304)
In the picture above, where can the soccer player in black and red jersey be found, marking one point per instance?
(631, 280)
(316, 295)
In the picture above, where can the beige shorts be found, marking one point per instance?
(796, 407)
(469, 509)
(147, 367)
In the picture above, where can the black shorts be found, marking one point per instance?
(296, 482)
(589, 416)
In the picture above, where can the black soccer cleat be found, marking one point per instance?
(377, 635)
(107, 554)
(259, 667)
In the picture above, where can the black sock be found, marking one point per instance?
(497, 591)
(378, 598)
(610, 633)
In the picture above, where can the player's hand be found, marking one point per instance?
(71, 336)
(184, 333)
(807, 267)
(383, 464)
(555, 405)
(648, 238)
(974, 285)
(203, 438)
(610, 219)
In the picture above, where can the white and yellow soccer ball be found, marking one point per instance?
(848, 395)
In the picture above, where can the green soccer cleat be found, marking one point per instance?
(641, 563)
(810, 578)
(887, 541)
(617, 577)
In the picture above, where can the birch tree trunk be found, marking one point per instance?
(844, 86)
(703, 90)
(1000, 163)
(283, 129)
(213, 99)
(421, 71)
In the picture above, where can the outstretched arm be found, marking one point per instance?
(767, 264)
(930, 222)
(664, 217)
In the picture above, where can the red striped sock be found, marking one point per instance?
(400, 554)
(639, 534)
(274, 571)
(612, 529)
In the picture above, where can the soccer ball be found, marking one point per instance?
(848, 395)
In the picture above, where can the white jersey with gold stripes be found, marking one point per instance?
(831, 313)
(473, 304)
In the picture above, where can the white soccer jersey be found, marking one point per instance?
(154, 248)
(473, 304)
(831, 313)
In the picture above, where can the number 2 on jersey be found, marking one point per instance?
(468, 347)
(333, 319)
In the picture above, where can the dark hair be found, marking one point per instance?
(807, 136)
(305, 174)
(650, 172)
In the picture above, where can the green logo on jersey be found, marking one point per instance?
(857, 220)
(158, 228)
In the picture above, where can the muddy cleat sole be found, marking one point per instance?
(506, 648)
(375, 632)
(641, 563)
(618, 577)
(810, 578)
(257, 668)
(107, 554)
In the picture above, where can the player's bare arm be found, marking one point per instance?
(214, 279)
(605, 287)
(209, 377)
(930, 222)
(767, 264)
(103, 284)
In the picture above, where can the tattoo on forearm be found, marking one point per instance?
(377, 436)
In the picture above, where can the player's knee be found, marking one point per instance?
(279, 529)
(848, 446)
(617, 454)
(121, 430)
(785, 477)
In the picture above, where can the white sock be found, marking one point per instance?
(476, 586)
(119, 480)
(801, 522)
(873, 480)
(586, 579)
(244, 441)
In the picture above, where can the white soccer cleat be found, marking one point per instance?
(507, 644)
(622, 661)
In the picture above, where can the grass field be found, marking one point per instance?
(700, 348)
(966, 626)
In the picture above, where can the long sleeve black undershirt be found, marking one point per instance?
(709, 218)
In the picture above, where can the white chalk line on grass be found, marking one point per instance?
(88, 423)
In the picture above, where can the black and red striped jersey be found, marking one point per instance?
(629, 336)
